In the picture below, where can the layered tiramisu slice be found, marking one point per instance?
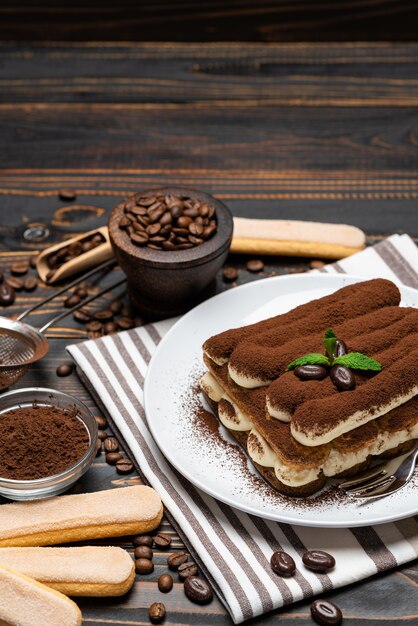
(305, 413)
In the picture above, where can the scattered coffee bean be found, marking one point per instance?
(326, 613)
(102, 434)
(124, 466)
(318, 560)
(110, 328)
(311, 372)
(144, 566)
(103, 316)
(30, 284)
(67, 194)
(116, 306)
(342, 377)
(142, 540)
(113, 457)
(315, 264)
(157, 612)
(162, 541)
(187, 569)
(101, 422)
(143, 552)
(71, 301)
(197, 590)
(94, 334)
(81, 292)
(282, 563)
(125, 323)
(7, 294)
(229, 274)
(165, 583)
(176, 559)
(65, 369)
(111, 444)
(82, 316)
(340, 348)
(255, 265)
(15, 282)
(19, 269)
(94, 325)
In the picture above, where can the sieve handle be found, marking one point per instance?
(75, 282)
(59, 317)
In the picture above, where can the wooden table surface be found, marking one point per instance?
(326, 132)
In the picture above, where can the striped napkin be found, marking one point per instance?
(233, 548)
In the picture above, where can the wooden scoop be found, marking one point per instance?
(79, 264)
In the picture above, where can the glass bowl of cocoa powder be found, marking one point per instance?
(48, 441)
(170, 242)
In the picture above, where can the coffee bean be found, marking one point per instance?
(318, 560)
(116, 306)
(72, 301)
(103, 316)
(33, 259)
(65, 369)
(139, 239)
(82, 316)
(30, 284)
(229, 274)
(113, 457)
(125, 323)
(157, 612)
(153, 229)
(67, 194)
(342, 378)
(102, 434)
(168, 245)
(110, 328)
(81, 292)
(124, 466)
(197, 590)
(94, 325)
(143, 552)
(142, 540)
(162, 541)
(124, 222)
(166, 219)
(311, 372)
(282, 563)
(94, 334)
(101, 422)
(19, 269)
(147, 200)
(187, 569)
(255, 265)
(15, 283)
(326, 613)
(111, 444)
(316, 264)
(340, 348)
(196, 241)
(176, 559)
(165, 583)
(144, 566)
(196, 229)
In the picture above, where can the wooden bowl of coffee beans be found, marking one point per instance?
(170, 242)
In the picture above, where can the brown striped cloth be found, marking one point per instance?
(233, 548)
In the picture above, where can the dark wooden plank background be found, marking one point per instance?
(325, 132)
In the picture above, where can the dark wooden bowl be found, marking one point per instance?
(165, 283)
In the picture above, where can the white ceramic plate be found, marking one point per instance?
(213, 462)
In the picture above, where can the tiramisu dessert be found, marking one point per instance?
(322, 390)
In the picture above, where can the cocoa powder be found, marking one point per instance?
(40, 441)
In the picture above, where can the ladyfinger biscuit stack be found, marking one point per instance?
(299, 432)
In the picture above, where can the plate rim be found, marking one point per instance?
(288, 519)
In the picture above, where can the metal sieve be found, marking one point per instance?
(21, 344)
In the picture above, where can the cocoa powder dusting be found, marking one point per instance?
(40, 441)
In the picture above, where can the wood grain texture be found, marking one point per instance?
(324, 132)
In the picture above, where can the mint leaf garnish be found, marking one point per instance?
(358, 361)
(330, 341)
(309, 359)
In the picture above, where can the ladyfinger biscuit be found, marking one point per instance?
(74, 571)
(26, 602)
(78, 517)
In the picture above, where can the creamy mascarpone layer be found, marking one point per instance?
(248, 382)
(263, 454)
(229, 414)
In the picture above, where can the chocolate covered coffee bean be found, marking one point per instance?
(342, 378)
(197, 590)
(311, 372)
(326, 613)
(282, 563)
(340, 348)
(318, 560)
